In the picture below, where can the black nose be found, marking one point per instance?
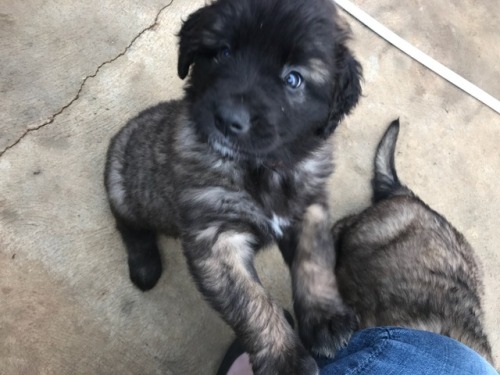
(232, 119)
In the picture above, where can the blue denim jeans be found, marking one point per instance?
(402, 351)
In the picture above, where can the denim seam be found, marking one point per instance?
(363, 365)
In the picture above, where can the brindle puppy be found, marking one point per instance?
(242, 161)
(400, 263)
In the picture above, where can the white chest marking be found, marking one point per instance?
(278, 224)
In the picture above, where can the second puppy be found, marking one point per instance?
(400, 263)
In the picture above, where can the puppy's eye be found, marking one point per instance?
(224, 53)
(293, 80)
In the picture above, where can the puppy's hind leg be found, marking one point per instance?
(144, 260)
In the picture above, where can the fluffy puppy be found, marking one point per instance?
(400, 263)
(242, 161)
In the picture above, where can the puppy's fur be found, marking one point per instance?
(402, 264)
(241, 161)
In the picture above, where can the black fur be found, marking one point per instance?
(264, 38)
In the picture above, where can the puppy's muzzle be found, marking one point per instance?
(232, 120)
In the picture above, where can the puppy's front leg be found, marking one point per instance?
(325, 322)
(222, 265)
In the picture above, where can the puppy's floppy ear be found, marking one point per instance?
(191, 39)
(347, 87)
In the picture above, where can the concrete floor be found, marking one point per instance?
(71, 75)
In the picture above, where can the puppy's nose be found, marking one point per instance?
(233, 120)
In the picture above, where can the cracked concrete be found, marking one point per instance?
(66, 304)
(52, 118)
(49, 54)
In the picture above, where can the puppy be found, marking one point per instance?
(242, 161)
(402, 264)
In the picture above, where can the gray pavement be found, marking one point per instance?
(71, 74)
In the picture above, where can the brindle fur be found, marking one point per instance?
(173, 170)
(400, 263)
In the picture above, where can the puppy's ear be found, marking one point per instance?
(191, 39)
(347, 89)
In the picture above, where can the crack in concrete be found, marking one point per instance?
(84, 81)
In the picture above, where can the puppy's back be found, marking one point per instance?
(402, 264)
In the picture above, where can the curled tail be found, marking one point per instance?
(385, 181)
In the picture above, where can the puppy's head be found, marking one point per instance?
(269, 78)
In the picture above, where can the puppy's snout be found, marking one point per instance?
(232, 119)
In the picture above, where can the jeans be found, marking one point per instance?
(402, 351)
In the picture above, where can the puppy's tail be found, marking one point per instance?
(385, 182)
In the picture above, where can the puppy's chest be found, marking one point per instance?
(278, 196)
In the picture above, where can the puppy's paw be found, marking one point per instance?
(326, 332)
(296, 363)
(145, 270)
(305, 365)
